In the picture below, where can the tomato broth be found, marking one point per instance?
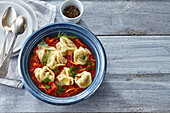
(51, 87)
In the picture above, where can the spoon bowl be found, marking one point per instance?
(8, 18)
(18, 27)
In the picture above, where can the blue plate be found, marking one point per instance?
(52, 30)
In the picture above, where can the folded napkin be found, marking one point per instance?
(46, 14)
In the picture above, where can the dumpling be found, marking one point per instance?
(83, 79)
(66, 71)
(64, 78)
(56, 59)
(61, 47)
(37, 72)
(81, 55)
(43, 73)
(43, 49)
(69, 43)
(65, 46)
(41, 53)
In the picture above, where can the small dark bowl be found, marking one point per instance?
(52, 30)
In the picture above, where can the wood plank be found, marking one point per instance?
(142, 60)
(129, 85)
(129, 55)
(137, 82)
(105, 99)
(137, 54)
(120, 17)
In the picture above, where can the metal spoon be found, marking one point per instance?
(8, 18)
(18, 27)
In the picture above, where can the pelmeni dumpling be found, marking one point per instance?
(69, 43)
(66, 71)
(61, 47)
(64, 78)
(43, 49)
(43, 73)
(56, 59)
(81, 55)
(83, 79)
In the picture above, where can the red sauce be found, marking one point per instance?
(67, 91)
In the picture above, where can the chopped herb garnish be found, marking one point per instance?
(75, 68)
(45, 58)
(90, 68)
(59, 90)
(47, 86)
(90, 63)
(73, 37)
(60, 34)
(56, 70)
(41, 62)
(42, 43)
(71, 68)
(87, 61)
(46, 80)
(73, 74)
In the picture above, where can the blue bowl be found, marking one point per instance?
(52, 30)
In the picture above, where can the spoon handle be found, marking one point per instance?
(2, 56)
(5, 63)
(12, 46)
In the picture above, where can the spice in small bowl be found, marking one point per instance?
(71, 11)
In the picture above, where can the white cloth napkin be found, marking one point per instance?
(46, 14)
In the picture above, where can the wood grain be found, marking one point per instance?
(124, 17)
(105, 99)
(125, 88)
(137, 54)
(138, 73)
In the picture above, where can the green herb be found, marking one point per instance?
(47, 86)
(91, 65)
(41, 62)
(73, 37)
(42, 43)
(75, 68)
(56, 70)
(59, 90)
(60, 34)
(45, 58)
(71, 68)
(87, 61)
(73, 74)
(46, 80)
(90, 68)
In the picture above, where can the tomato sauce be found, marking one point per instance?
(55, 90)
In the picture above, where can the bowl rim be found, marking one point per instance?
(81, 13)
(45, 99)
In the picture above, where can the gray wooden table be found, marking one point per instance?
(136, 38)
